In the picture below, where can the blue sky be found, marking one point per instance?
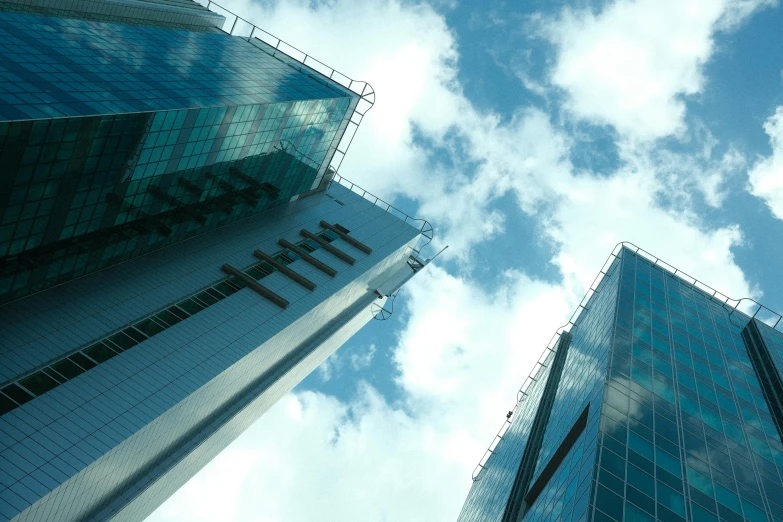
(535, 136)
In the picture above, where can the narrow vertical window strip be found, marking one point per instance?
(565, 447)
(768, 375)
(527, 465)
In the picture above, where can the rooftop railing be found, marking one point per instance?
(747, 308)
(269, 43)
(425, 228)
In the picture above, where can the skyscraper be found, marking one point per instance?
(660, 400)
(177, 252)
(117, 139)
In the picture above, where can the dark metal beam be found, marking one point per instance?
(323, 267)
(255, 286)
(766, 371)
(326, 246)
(516, 500)
(348, 239)
(285, 270)
(558, 457)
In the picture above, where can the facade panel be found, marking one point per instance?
(687, 426)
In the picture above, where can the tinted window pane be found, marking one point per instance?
(668, 462)
(16, 393)
(82, 361)
(191, 306)
(123, 340)
(226, 288)
(67, 368)
(6, 404)
(149, 327)
(133, 334)
(178, 312)
(634, 514)
(287, 257)
(214, 293)
(38, 383)
(641, 480)
(167, 318)
(54, 375)
(255, 272)
(99, 352)
(671, 499)
(206, 298)
(237, 282)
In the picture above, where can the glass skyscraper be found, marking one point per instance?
(175, 251)
(661, 401)
(117, 139)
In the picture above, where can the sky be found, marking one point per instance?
(535, 136)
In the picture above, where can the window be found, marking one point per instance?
(82, 361)
(6, 404)
(100, 352)
(560, 454)
(67, 368)
(16, 393)
(38, 383)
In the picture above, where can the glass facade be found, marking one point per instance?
(680, 425)
(118, 139)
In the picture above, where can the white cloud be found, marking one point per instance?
(362, 360)
(737, 10)
(632, 65)
(766, 176)
(712, 184)
(329, 367)
(333, 365)
(599, 213)
(688, 177)
(216, 493)
(699, 170)
(459, 337)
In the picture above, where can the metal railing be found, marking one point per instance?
(274, 45)
(425, 229)
(768, 317)
(752, 308)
